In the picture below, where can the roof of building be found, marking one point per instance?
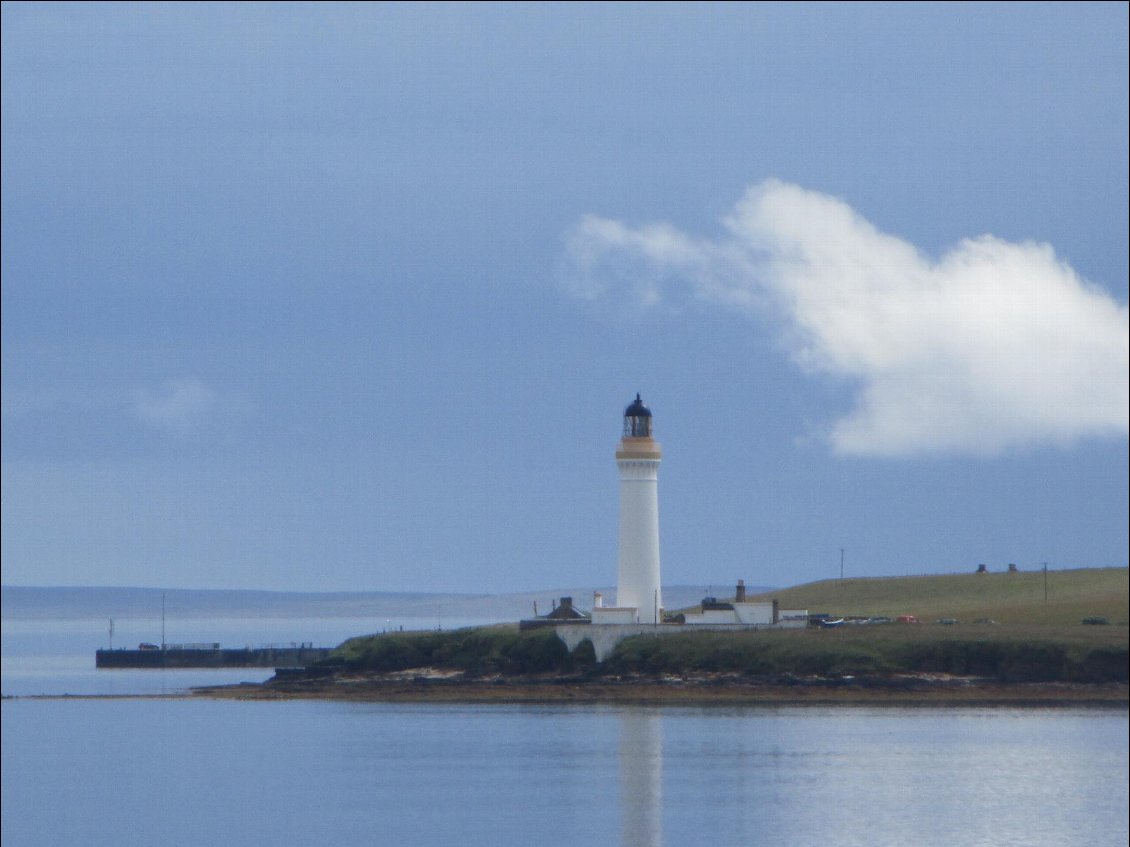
(566, 611)
(637, 409)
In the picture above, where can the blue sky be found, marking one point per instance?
(352, 297)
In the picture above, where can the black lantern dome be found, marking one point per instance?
(637, 420)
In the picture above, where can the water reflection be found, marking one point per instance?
(558, 776)
(977, 776)
(641, 778)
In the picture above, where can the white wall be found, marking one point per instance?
(761, 613)
(613, 614)
(743, 613)
(638, 576)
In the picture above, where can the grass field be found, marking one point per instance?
(1007, 598)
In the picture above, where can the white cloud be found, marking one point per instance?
(994, 346)
(180, 406)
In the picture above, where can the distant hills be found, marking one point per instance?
(88, 603)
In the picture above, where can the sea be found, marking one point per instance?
(129, 769)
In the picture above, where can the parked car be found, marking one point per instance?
(946, 621)
(907, 619)
(879, 619)
(984, 621)
(1096, 621)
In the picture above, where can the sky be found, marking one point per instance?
(353, 297)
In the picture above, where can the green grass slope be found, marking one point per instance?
(1008, 598)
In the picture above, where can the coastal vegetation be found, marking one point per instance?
(474, 650)
(1025, 654)
(1019, 636)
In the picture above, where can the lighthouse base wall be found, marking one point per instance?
(615, 615)
(638, 583)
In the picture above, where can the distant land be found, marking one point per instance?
(124, 603)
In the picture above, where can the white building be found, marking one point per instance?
(743, 612)
(638, 597)
(746, 614)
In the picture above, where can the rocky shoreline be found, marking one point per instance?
(433, 685)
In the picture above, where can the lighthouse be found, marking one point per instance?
(637, 457)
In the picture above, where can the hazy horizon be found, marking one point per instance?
(126, 603)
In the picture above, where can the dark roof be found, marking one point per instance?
(566, 611)
(637, 409)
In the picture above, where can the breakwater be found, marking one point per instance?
(211, 657)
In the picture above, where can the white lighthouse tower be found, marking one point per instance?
(638, 458)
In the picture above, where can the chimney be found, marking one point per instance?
(566, 602)
(776, 612)
(597, 600)
(739, 593)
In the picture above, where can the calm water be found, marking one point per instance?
(188, 772)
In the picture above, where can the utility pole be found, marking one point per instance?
(1045, 583)
(841, 565)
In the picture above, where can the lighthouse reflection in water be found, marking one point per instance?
(641, 778)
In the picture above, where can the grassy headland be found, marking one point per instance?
(1030, 642)
(1018, 653)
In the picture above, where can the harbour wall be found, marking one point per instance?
(247, 657)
